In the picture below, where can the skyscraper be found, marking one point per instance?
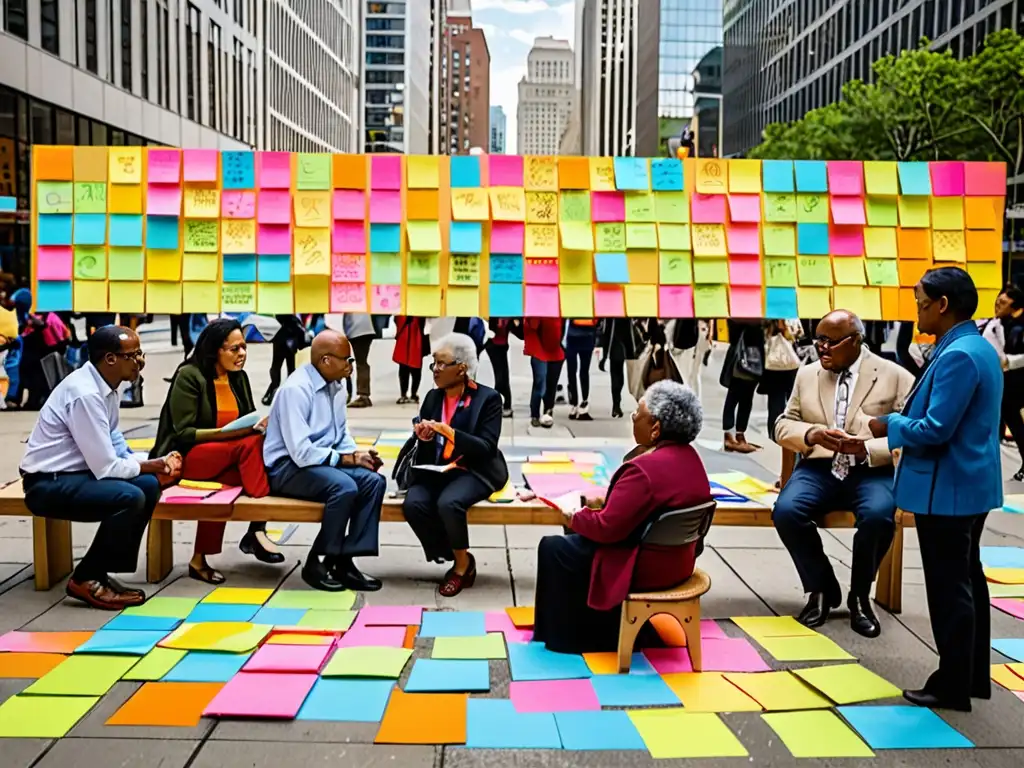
(545, 97)
(466, 73)
(498, 124)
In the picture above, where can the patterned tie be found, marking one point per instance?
(841, 461)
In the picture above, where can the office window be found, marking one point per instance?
(16, 18)
(49, 26)
(111, 37)
(144, 48)
(163, 75)
(126, 44)
(91, 54)
(192, 97)
(216, 103)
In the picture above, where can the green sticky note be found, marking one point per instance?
(314, 171)
(882, 211)
(848, 270)
(610, 237)
(675, 733)
(90, 197)
(780, 272)
(812, 208)
(155, 664)
(165, 607)
(577, 235)
(274, 299)
(424, 236)
(42, 717)
(236, 297)
(55, 197)
(327, 620)
(368, 661)
(779, 239)
(310, 599)
(675, 268)
(423, 269)
(574, 206)
(126, 264)
(674, 237)
(641, 236)
(386, 268)
(490, 646)
(672, 207)
(848, 683)
(805, 648)
(201, 235)
(90, 262)
(882, 272)
(83, 675)
(819, 734)
(710, 300)
(711, 271)
(814, 270)
(640, 207)
(779, 206)
(914, 212)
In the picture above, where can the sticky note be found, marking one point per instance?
(573, 173)
(367, 661)
(275, 170)
(814, 270)
(812, 239)
(984, 212)
(350, 237)
(271, 695)
(578, 236)
(204, 667)
(803, 648)
(780, 207)
(745, 176)
(385, 207)
(532, 661)
(640, 298)
(708, 239)
(812, 208)
(239, 268)
(777, 175)
(89, 229)
(350, 297)
(709, 692)
(503, 170)
(780, 272)
(238, 170)
(509, 204)
(83, 675)
(507, 237)
(985, 275)
(708, 209)
(710, 300)
(608, 206)
(779, 239)
(947, 212)
(780, 302)
(599, 730)
(914, 244)
(985, 179)
(125, 165)
(707, 271)
(506, 268)
(743, 239)
(313, 170)
(845, 177)
(813, 302)
(53, 263)
(506, 299)
(465, 171)
(385, 268)
(349, 171)
(778, 690)
(610, 236)
(810, 176)
(914, 212)
(949, 245)
(882, 211)
(421, 269)
(238, 204)
(387, 238)
(745, 208)
(274, 299)
(609, 302)
(463, 269)
(914, 178)
(55, 197)
(744, 270)
(674, 268)
(576, 300)
(42, 717)
(674, 733)
(541, 241)
(903, 727)
(848, 210)
(631, 173)
(91, 296)
(429, 718)
(53, 295)
(238, 297)
(666, 174)
(344, 700)
(642, 236)
(880, 242)
(440, 675)
(816, 734)
(672, 207)
(124, 198)
(89, 197)
(202, 235)
(602, 174)
(200, 164)
(386, 172)
(611, 267)
(848, 271)
(678, 298)
(712, 176)
(162, 232)
(947, 178)
(984, 245)
(540, 174)
(745, 301)
(541, 207)
(128, 296)
(640, 207)
(882, 272)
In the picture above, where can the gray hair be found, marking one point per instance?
(463, 350)
(677, 408)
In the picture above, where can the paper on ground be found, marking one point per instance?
(675, 733)
(848, 683)
(816, 734)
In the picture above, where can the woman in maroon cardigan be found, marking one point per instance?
(583, 578)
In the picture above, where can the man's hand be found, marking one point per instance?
(261, 425)
(424, 431)
(162, 466)
(878, 427)
(829, 439)
(366, 460)
(174, 461)
(853, 446)
(378, 462)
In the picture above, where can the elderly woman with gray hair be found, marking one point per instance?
(583, 577)
(457, 462)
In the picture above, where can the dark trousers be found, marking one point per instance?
(1013, 401)
(617, 371)
(957, 604)
(409, 380)
(351, 496)
(739, 400)
(435, 507)
(810, 493)
(361, 352)
(578, 361)
(282, 354)
(121, 507)
(498, 353)
(543, 389)
(778, 385)
(551, 384)
(182, 324)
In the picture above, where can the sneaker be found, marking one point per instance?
(1019, 477)
(506, 413)
(547, 421)
(583, 414)
(574, 413)
(534, 422)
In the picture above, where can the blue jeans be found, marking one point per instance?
(540, 382)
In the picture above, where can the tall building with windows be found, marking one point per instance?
(466, 74)
(545, 97)
(498, 127)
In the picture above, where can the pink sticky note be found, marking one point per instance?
(679, 297)
(259, 694)
(348, 297)
(948, 179)
(390, 637)
(237, 204)
(223, 496)
(542, 301)
(498, 621)
(518, 635)
(541, 272)
(551, 486)
(390, 615)
(54, 262)
(1005, 604)
(1019, 694)
(845, 177)
(201, 164)
(386, 172)
(507, 236)
(164, 166)
(349, 204)
(274, 170)
(163, 200)
(609, 302)
(385, 207)
(744, 270)
(274, 207)
(985, 179)
(745, 208)
(709, 630)
(348, 268)
(288, 658)
(349, 237)
(386, 299)
(505, 170)
(707, 209)
(177, 495)
(668, 661)
(731, 655)
(273, 238)
(744, 239)
(848, 210)
(553, 696)
(745, 301)
(846, 241)
(608, 206)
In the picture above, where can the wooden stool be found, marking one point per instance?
(683, 602)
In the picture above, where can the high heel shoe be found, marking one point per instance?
(250, 545)
(455, 582)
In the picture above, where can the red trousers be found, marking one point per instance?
(232, 462)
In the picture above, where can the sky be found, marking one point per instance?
(510, 27)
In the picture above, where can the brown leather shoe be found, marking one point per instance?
(361, 402)
(117, 586)
(99, 595)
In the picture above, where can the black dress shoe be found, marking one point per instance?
(346, 573)
(862, 619)
(817, 610)
(318, 576)
(250, 545)
(268, 396)
(923, 698)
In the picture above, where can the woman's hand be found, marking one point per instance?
(567, 515)
(424, 431)
(879, 427)
(261, 425)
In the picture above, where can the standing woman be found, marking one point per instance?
(949, 475)
(542, 343)
(410, 347)
(780, 367)
(742, 369)
(1005, 332)
(580, 341)
(209, 391)
(289, 339)
(496, 348)
(620, 341)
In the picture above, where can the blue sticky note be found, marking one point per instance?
(631, 173)
(274, 268)
(125, 643)
(451, 624)
(532, 661)
(667, 174)
(206, 667)
(495, 724)
(8, 204)
(221, 612)
(279, 617)
(611, 267)
(1002, 557)
(466, 237)
(239, 268)
(812, 239)
(337, 699)
(506, 299)
(54, 229)
(443, 675)
(903, 727)
(811, 176)
(506, 268)
(238, 169)
(780, 303)
(633, 691)
(142, 623)
(386, 238)
(915, 178)
(465, 171)
(610, 729)
(55, 296)
(1012, 647)
(162, 232)
(90, 229)
(777, 175)
(126, 229)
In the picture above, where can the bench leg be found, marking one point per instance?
(159, 550)
(688, 615)
(51, 551)
(889, 589)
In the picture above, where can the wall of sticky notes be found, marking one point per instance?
(133, 229)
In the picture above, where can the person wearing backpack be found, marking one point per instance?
(741, 371)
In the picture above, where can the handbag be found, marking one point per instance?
(780, 354)
(645, 370)
(402, 473)
(749, 363)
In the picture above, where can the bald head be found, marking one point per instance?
(838, 338)
(331, 355)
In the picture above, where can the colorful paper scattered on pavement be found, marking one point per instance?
(903, 727)
(817, 733)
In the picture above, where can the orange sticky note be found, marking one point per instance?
(28, 665)
(574, 173)
(984, 244)
(53, 163)
(914, 244)
(890, 303)
(124, 198)
(912, 271)
(422, 204)
(349, 171)
(410, 636)
(424, 718)
(644, 267)
(983, 212)
(669, 630)
(522, 616)
(908, 304)
(167, 704)
(90, 163)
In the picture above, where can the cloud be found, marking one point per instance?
(517, 6)
(524, 37)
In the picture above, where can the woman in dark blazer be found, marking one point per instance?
(458, 428)
(583, 578)
(209, 391)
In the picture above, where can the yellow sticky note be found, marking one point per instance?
(710, 271)
(641, 300)
(423, 300)
(424, 236)
(778, 690)
(127, 296)
(576, 268)
(312, 208)
(90, 296)
(848, 683)
(672, 207)
(238, 297)
(880, 242)
(274, 299)
(764, 626)
(508, 204)
(675, 733)
(312, 253)
(238, 235)
(985, 275)
(200, 266)
(220, 636)
(712, 176)
(422, 171)
(883, 272)
(949, 245)
(201, 235)
(541, 241)
(540, 174)
(125, 165)
(163, 298)
(124, 198)
(1005, 575)
(744, 175)
(643, 266)
(610, 237)
(947, 213)
(602, 174)
(708, 239)
(577, 300)
(807, 648)
(880, 178)
(709, 692)
(90, 164)
(312, 293)
(1003, 675)
(163, 265)
(812, 302)
(201, 203)
(710, 300)
(865, 302)
(816, 734)
(675, 268)
(200, 297)
(914, 212)
(470, 204)
(238, 596)
(848, 270)
(462, 302)
(541, 207)
(463, 269)
(577, 235)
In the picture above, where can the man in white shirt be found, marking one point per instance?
(78, 467)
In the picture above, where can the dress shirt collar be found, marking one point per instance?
(316, 379)
(101, 384)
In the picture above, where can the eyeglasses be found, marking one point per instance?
(440, 365)
(826, 342)
(349, 360)
(137, 357)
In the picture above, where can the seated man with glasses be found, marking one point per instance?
(78, 467)
(310, 454)
(842, 467)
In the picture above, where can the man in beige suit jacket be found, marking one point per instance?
(842, 466)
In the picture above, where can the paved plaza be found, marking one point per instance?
(751, 573)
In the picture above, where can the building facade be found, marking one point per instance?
(545, 97)
(465, 112)
(498, 126)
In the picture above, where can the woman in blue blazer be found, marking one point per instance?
(950, 476)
